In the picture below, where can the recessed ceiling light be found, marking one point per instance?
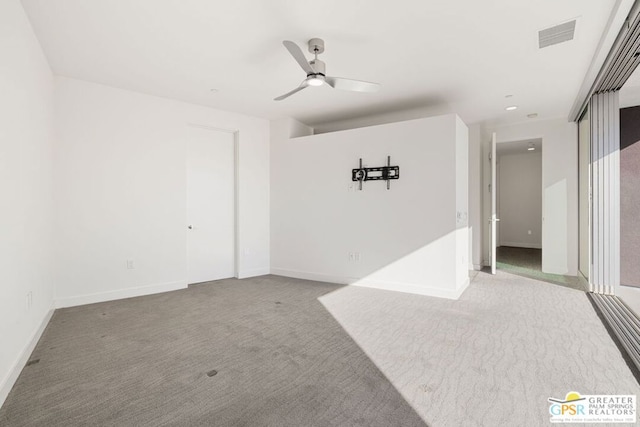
(511, 107)
(532, 115)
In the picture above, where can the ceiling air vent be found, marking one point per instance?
(558, 34)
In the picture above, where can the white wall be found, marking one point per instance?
(461, 176)
(426, 108)
(121, 190)
(560, 189)
(520, 199)
(288, 128)
(26, 135)
(408, 237)
(476, 138)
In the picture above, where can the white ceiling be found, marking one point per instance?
(452, 56)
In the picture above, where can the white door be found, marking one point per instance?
(493, 220)
(210, 205)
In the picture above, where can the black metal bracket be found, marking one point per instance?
(384, 173)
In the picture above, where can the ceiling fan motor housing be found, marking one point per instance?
(316, 45)
(318, 65)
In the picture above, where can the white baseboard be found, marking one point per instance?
(312, 276)
(119, 294)
(522, 245)
(411, 288)
(253, 273)
(23, 358)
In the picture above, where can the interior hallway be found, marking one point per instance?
(279, 351)
(527, 262)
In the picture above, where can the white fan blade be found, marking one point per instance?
(297, 54)
(288, 94)
(353, 85)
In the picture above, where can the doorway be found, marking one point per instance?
(519, 205)
(211, 195)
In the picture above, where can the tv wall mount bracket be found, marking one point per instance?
(382, 173)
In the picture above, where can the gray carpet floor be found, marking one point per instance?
(290, 352)
(279, 356)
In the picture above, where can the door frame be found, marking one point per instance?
(236, 190)
(493, 219)
(487, 202)
(537, 141)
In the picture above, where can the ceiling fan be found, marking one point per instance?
(315, 70)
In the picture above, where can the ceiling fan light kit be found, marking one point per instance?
(316, 71)
(316, 81)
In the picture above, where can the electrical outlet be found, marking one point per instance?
(529, 232)
(354, 256)
(130, 264)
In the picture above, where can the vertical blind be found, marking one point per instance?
(605, 192)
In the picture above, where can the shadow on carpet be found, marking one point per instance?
(259, 351)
